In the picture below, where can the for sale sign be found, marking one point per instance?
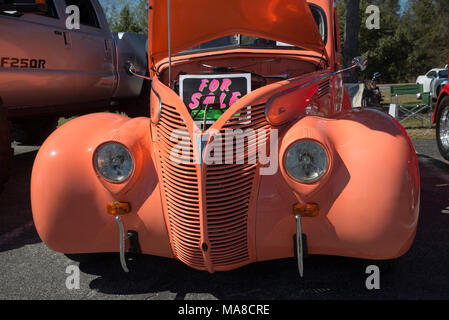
(208, 96)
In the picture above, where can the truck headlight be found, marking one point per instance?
(306, 161)
(113, 162)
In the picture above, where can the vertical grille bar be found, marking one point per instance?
(229, 188)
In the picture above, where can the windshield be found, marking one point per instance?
(442, 74)
(240, 40)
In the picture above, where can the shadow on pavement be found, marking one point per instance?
(422, 273)
(16, 220)
(156, 277)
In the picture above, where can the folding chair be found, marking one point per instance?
(405, 112)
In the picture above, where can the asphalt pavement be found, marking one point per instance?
(29, 270)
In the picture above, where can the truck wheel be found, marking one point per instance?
(140, 107)
(34, 131)
(6, 152)
(443, 128)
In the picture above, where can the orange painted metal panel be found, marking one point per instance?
(197, 21)
(369, 199)
(69, 200)
(218, 217)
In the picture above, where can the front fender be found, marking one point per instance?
(368, 199)
(69, 199)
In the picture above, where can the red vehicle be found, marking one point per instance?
(301, 171)
(441, 118)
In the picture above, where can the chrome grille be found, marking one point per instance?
(323, 88)
(180, 182)
(228, 191)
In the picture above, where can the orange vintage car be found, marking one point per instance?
(252, 151)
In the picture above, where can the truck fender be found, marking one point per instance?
(131, 47)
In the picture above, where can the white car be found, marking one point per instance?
(434, 81)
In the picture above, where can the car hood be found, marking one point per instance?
(193, 22)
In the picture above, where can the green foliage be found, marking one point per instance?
(127, 16)
(407, 44)
(428, 21)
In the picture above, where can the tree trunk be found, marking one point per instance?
(352, 28)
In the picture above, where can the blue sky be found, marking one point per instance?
(403, 3)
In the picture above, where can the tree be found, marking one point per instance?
(386, 48)
(351, 48)
(427, 28)
(127, 16)
(141, 13)
(126, 22)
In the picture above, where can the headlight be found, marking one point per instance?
(113, 162)
(306, 161)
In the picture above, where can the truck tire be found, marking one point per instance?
(442, 122)
(90, 257)
(34, 131)
(140, 107)
(438, 92)
(6, 152)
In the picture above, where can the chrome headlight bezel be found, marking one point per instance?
(327, 157)
(100, 172)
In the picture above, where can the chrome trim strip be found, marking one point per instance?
(299, 249)
(122, 244)
(160, 106)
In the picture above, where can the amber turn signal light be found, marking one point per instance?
(118, 208)
(306, 210)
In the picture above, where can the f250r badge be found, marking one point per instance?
(6, 62)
